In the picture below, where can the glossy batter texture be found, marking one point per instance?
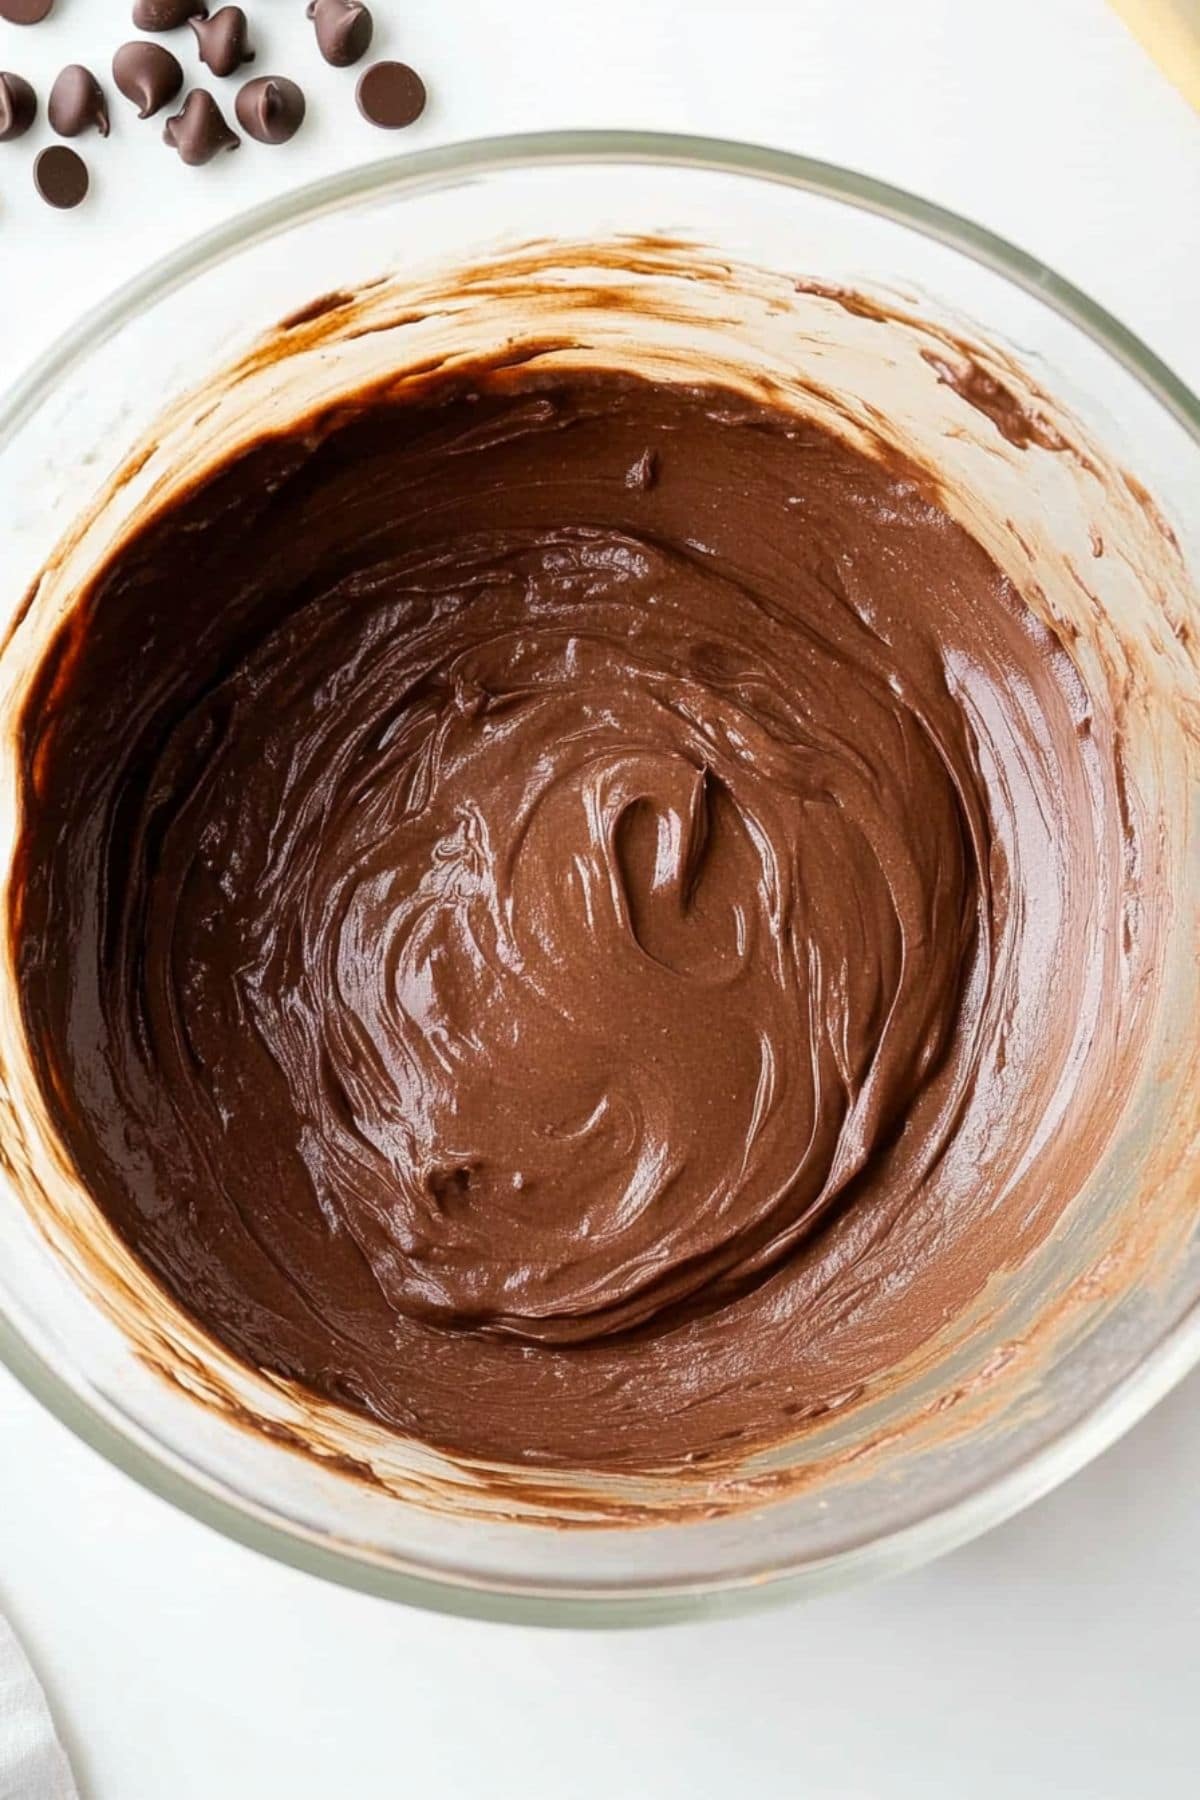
(579, 917)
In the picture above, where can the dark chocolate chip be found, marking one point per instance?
(222, 40)
(60, 176)
(390, 94)
(344, 29)
(270, 109)
(18, 107)
(198, 131)
(77, 103)
(148, 75)
(166, 15)
(25, 12)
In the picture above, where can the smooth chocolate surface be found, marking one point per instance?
(18, 106)
(148, 75)
(390, 95)
(77, 103)
(166, 15)
(198, 131)
(61, 177)
(222, 40)
(570, 914)
(344, 29)
(270, 109)
(25, 12)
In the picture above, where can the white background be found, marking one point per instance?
(1059, 1656)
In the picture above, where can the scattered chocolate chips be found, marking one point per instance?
(77, 103)
(25, 12)
(18, 107)
(60, 176)
(222, 41)
(390, 95)
(344, 29)
(148, 75)
(165, 15)
(270, 109)
(198, 131)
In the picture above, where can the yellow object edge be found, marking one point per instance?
(1170, 31)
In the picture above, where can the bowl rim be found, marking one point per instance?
(1048, 1464)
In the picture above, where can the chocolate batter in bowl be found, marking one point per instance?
(580, 926)
(598, 891)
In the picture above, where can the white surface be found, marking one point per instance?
(33, 1764)
(1056, 1657)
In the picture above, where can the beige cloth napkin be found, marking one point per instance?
(33, 1764)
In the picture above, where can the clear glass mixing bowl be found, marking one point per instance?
(1018, 1403)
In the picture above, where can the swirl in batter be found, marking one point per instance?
(572, 915)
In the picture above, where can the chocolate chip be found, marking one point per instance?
(390, 94)
(270, 109)
(148, 75)
(198, 131)
(77, 103)
(25, 12)
(166, 15)
(344, 29)
(60, 176)
(222, 40)
(18, 107)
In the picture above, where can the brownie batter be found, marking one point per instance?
(580, 917)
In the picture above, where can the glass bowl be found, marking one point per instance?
(728, 246)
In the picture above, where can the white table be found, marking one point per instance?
(1057, 1656)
